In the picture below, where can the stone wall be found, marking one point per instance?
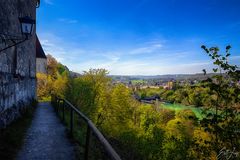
(17, 64)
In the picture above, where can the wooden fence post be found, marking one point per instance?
(87, 145)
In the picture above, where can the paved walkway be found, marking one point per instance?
(46, 138)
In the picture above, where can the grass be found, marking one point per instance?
(178, 107)
(137, 81)
(79, 136)
(44, 99)
(12, 137)
(79, 131)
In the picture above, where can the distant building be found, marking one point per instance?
(169, 85)
(41, 59)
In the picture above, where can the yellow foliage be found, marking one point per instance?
(180, 129)
(202, 148)
(44, 85)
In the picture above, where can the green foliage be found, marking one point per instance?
(148, 92)
(174, 148)
(224, 119)
(186, 114)
(166, 115)
(140, 130)
(61, 68)
(144, 131)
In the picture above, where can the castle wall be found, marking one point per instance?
(17, 64)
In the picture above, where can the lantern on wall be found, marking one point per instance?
(27, 28)
(27, 25)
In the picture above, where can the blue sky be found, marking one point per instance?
(138, 37)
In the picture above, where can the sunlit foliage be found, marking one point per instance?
(145, 131)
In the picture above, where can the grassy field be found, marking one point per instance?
(178, 107)
(137, 81)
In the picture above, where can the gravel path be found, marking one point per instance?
(46, 138)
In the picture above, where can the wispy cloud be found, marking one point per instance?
(68, 21)
(235, 58)
(50, 2)
(117, 61)
(137, 67)
(147, 49)
(52, 45)
(45, 43)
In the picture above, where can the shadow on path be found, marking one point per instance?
(46, 138)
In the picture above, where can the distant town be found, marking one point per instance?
(164, 81)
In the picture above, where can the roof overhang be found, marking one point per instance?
(39, 50)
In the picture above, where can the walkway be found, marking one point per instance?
(46, 138)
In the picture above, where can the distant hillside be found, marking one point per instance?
(74, 74)
(198, 76)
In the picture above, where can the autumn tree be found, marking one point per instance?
(54, 81)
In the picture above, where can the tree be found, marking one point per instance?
(178, 138)
(121, 110)
(222, 117)
(54, 82)
(44, 85)
(52, 66)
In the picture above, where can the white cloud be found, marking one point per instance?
(138, 67)
(46, 43)
(121, 62)
(53, 45)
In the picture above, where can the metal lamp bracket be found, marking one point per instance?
(11, 41)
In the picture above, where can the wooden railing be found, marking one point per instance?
(61, 105)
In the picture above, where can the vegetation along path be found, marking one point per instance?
(46, 138)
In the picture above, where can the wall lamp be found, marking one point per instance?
(27, 28)
(38, 4)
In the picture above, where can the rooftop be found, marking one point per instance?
(39, 50)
